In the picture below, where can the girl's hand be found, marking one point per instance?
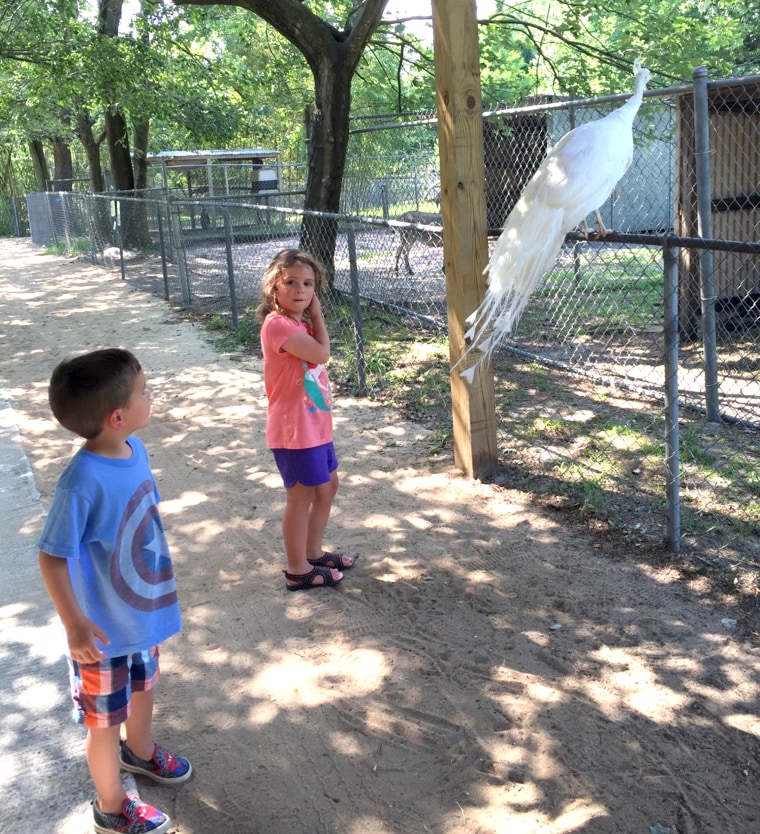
(315, 308)
(81, 638)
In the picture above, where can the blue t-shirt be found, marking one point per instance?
(104, 521)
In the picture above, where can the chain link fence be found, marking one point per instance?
(629, 395)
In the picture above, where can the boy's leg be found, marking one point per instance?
(102, 750)
(139, 724)
(140, 754)
(101, 694)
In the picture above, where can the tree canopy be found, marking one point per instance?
(199, 74)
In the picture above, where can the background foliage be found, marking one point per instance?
(218, 76)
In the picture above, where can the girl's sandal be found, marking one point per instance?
(305, 581)
(332, 560)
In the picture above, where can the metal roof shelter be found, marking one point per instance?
(221, 172)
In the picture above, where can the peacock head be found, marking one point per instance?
(641, 74)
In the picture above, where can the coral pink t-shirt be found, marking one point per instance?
(300, 401)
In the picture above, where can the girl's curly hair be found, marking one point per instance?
(281, 261)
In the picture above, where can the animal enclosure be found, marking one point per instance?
(582, 386)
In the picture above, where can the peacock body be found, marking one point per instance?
(574, 179)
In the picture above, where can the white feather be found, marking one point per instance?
(574, 179)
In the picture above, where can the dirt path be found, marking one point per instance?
(482, 670)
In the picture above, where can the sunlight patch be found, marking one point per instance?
(187, 499)
(744, 722)
(294, 682)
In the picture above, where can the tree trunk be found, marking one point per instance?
(122, 176)
(64, 168)
(109, 16)
(140, 234)
(91, 147)
(327, 158)
(333, 56)
(41, 171)
(142, 131)
(131, 213)
(117, 137)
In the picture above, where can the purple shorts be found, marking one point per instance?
(310, 467)
(101, 691)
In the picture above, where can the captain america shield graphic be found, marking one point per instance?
(141, 571)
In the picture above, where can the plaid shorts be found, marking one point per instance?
(101, 691)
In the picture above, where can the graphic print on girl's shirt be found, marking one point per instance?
(316, 386)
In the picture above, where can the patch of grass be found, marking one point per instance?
(610, 471)
(608, 465)
(243, 341)
(540, 378)
(439, 441)
(76, 246)
(587, 301)
(406, 366)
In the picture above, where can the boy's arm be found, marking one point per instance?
(80, 630)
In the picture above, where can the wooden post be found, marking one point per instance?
(465, 232)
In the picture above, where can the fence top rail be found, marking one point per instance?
(349, 218)
(660, 93)
(664, 239)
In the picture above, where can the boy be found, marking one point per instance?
(105, 563)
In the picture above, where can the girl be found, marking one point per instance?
(296, 345)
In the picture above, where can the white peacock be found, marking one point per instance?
(574, 179)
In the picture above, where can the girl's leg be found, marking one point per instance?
(102, 750)
(297, 524)
(319, 515)
(139, 724)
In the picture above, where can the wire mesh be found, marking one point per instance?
(582, 383)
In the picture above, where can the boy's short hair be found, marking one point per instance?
(85, 389)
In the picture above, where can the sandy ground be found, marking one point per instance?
(483, 669)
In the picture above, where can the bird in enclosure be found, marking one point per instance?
(112, 255)
(574, 179)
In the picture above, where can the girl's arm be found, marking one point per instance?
(81, 632)
(315, 348)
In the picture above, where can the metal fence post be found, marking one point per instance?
(230, 269)
(704, 226)
(16, 219)
(52, 225)
(92, 213)
(120, 229)
(163, 250)
(361, 362)
(672, 448)
(179, 248)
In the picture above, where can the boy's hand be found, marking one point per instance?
(81, 632)
(82, 646)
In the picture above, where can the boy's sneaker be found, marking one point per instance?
(135, 818)
(162, 767)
